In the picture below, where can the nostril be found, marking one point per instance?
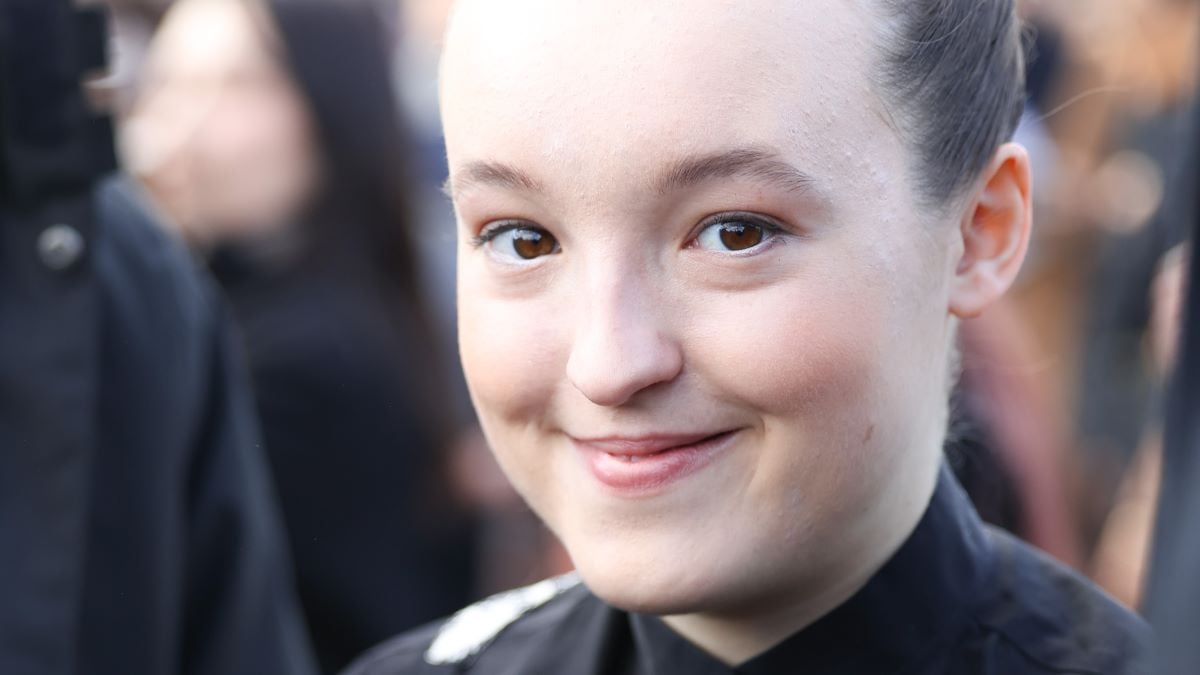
(622, 342)
(611, 371)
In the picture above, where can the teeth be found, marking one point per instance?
(630, 458)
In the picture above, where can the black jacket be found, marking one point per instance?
(138, 533)
(958, 598)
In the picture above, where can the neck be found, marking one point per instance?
(735, 637)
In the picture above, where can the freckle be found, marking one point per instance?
(869, 435)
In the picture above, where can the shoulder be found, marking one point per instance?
(163, 326)
(1052, 617)
(521, 620)
(158, 303)
(136, 255)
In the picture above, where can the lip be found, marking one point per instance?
(642, 464)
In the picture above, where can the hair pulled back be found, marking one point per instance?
(954, 71)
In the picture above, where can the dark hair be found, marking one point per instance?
(338, 55)
(360, 222)
(954, 71)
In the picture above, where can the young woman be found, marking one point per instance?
(281, 153)
(712, 260)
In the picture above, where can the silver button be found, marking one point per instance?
(60, 246)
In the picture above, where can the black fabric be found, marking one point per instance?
(137, 530)
(53, 144)
(352, 436)
(958, 598)
(49, 359)
(138, 534)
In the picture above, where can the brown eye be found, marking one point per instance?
(739, 236)
(733, 234)
(530, 244)
(519, 241)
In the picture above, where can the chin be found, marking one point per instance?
(649, 584)
(645, 598)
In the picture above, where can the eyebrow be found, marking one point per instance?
(489, 174)
(750, 162)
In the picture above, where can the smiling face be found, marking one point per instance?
(703, 317)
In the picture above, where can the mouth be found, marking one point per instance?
(638, 465)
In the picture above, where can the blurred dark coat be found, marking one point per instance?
(138, 533)
(349, 411)
(137, 530)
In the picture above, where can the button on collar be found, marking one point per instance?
(60, 247)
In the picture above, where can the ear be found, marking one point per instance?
(995, 233)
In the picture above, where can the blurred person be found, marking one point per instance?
(268, 133)
(1114, 75)
(712, 259)
(1119, 111)
(138, 531)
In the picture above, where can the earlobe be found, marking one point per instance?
(995, 230)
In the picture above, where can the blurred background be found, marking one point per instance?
(294, 146)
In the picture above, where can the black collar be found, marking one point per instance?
(919, 601)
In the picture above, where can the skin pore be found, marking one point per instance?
(692, 219)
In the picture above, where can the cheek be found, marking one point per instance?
(509, 354)
(246, 132)
(512, 357)
(795, 347)
(256, 164)
(815, 362)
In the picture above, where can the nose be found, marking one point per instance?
(622, 344)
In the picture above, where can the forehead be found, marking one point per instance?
(202, 37)
(586, 86)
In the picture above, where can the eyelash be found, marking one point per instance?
(493, 230)
(770, 227)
